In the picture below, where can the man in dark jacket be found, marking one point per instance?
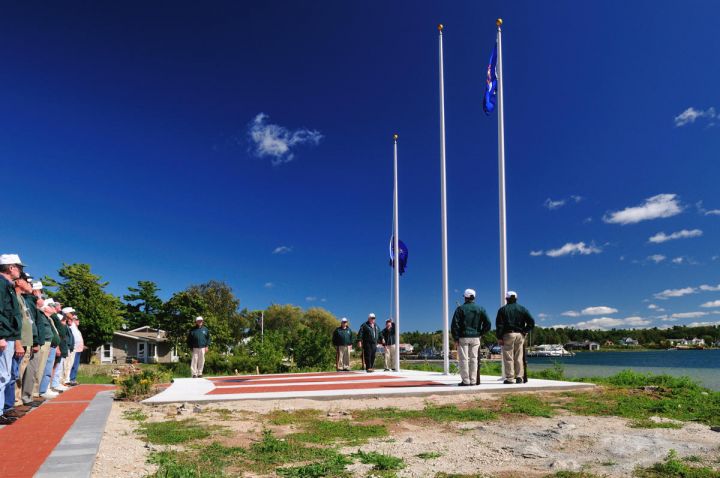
(342, 340)
(368, 338)
(388, 341)
(10, 324)
(198, 340)
(469, 323)
(513, 322)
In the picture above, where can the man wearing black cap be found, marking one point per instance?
(469, 323)
(342, 340)
(368, 337)
(513, 322)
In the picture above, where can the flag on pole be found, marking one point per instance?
(403, 254)
(490, 98)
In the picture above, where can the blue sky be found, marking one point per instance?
(252, 143)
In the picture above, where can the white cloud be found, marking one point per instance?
(688, 315)
(269, 285)
(574, 248)
(596, 310)
(661, 237)
(713, 212)
(667, 293)
(282, 250)
(656, 308)
(576, 198)
(587, 220)
(710, 288)
(659, 206)
(550, 204)
(657, 258)
(678, 260)
(536, 253)
(543, 315)
(606, 323)
(276, 141)
(691, 114)
(714, 303)
(703, 324)
(311, 298)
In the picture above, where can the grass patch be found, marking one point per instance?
(136, 415)
(674, 467)
(281, 417)
(428, 455)
(271, 450)
(438, 413)
(332, 467)
(380, 461)
(338, 431)
(528, 405)
(647, 423)
(175, 432)
(95, 379)
(572, 474)
(173, 464)
(455, 475)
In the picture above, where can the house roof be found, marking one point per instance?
(145, 334)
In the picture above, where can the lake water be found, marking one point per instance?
(701, 365)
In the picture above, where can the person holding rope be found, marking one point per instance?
(342, 340)
(513, 322)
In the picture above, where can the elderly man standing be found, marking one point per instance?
(342, 340)
(28, 375)
(10, 322)
(69, 314)
(388, 341)
(45, 334)
(368, 337)
(513, 322)
(469, 323)
(198, 340)
(79, 349)
(48, 310)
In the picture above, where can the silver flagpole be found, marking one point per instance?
(396, 258)
(501, 167)
(443, 201)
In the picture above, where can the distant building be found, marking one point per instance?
(406, 348)
(687, 342)
(144, 345)
(629, 342)
(586, 345)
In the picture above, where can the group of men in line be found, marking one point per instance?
(470, 322)
(40, 342)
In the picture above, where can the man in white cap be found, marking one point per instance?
(388, 340)
(68, 363)
(48, 310)
(10, 323)
(342, 340)
(198, 340)
(469, 323)
(513, 322)
(368, 337)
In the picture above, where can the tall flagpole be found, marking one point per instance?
(443, 201)
(396, 256)
(501, 167)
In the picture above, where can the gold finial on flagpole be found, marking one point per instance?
(440, 27)
(498, 22)
(395, 136)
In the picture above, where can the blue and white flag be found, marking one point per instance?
(403, 254)
(491, 89)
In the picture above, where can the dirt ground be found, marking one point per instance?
(511, 446)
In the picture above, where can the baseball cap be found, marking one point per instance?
(198, 319)
(37, 285)
(371, 315)
(9, 259)
(67, 310)
(343, 319)
(510, 293)
(469, 293)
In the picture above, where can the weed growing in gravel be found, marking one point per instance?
(573, 474)
(429, 455)
(174, 432)
(528, 405)
(380, 461)
(338, 431)
(438, 413)
(647, 423)
(273, 451)
(173, 464)
(282, 417)
(674, 467)
(136, 415)
(332, 467)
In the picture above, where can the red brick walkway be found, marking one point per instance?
(29, 441)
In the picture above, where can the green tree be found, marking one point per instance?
(101, 313)
(178, 315)
(143, 305)
(320, 320)
(314, 350)
(286, 320)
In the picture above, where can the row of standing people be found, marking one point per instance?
(40, 342)
(470, 322)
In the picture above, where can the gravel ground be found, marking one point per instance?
(511, 446)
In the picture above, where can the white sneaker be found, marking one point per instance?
(49, 394)
(61, 388)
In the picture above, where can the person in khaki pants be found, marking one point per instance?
(198, 340)
(513, 322)
(469, 323)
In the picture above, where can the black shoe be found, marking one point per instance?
(346, 370)
(386, 370)
(370, 370)
(6, 420)
(518, 380)
(200, 376)
(509, 382)
(463, 384)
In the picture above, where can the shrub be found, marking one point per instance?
(138, 386)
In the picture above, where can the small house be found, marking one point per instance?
(144, 345)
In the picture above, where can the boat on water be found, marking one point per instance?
(545, 350)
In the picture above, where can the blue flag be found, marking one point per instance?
(491, 89)
(403, 254)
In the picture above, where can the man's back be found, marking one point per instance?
(514, 318)
(470, 320)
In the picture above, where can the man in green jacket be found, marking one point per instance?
(342, 340)
(368, 338)
(10, 323)
(513, 322)
(198, 340)
(469, 323)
